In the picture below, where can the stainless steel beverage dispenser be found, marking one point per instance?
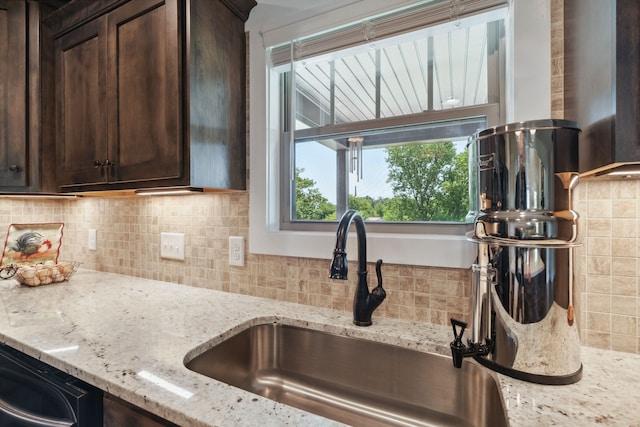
(520, 182)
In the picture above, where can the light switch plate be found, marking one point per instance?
(92, 241)
(172, 245)
(236, 250)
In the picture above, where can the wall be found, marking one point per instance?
(607, 266)
(128, 243)
(607, 290)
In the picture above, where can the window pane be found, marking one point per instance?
(403, 74)
(342, 87)
(315, 182)
(313, 95)
(356, 87)
(405, 173)
(382, 128)
(460, 67)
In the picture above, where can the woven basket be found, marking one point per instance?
(44, 274)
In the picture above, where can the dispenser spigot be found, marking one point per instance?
(459, 350)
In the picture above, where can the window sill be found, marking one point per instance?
(431, 250)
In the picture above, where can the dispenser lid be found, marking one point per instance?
(545, 124)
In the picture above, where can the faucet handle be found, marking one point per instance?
(378, 292)
(379, 272)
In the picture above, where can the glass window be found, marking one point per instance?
(382, 127)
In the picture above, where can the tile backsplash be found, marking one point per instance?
(606, 265)
(129, 243)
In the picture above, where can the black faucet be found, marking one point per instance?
(459, 351)
(364, 303)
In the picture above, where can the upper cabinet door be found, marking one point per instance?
(13, 93)
(81, 96)
(143, 89)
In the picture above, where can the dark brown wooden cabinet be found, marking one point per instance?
(13, 100)
(25, 165)
(602, 83)
(81, 124)
(149, 93)
(118, 413)
(118, 109)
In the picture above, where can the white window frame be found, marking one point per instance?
(528, 98)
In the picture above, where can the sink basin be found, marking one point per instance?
(352, 380)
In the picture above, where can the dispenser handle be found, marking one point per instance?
(457, 337)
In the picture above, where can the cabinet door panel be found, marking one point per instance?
(13, 90)
(81, 120)
(143, 89)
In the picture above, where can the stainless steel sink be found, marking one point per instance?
(352, 380)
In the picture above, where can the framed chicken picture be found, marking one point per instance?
(32, 243)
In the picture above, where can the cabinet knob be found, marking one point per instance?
(97, 164)
(108, 163)
(15, 168)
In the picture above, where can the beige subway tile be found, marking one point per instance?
(557, 47)
(626, 247)
(599, 190)
(457, 305)
(438, 273)
(598, 339)
(624, 286)
(402, 283)
(600, 209)
(624, 325)
(461, 275)
(624, 266)
(456, 289)
(422, 300)
(439, 287)
(598, 265)
(622, 305)
(598, 303)
(557, 84)
(423, 314)
(342, 304)
(599, 246)
(402, 298)
(598, 322)
(341, 290)
(438, 302)
(598, 228)
(422, 285)
(624, 209)
(407, 313)
(625, 189)
(624, 343)
(624, 228)
(439, 317)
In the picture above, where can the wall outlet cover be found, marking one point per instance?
(236, 251)
(92, 241)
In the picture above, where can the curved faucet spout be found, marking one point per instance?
(364, 303)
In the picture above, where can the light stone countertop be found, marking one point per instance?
(108, 328)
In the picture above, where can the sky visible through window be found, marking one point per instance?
(318, 162)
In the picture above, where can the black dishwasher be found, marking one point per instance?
(33, 393)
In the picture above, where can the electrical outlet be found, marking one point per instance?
(172, 245)
(92, 241)
(236, 250)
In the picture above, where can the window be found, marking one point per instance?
(528, 97)
(381, 126)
